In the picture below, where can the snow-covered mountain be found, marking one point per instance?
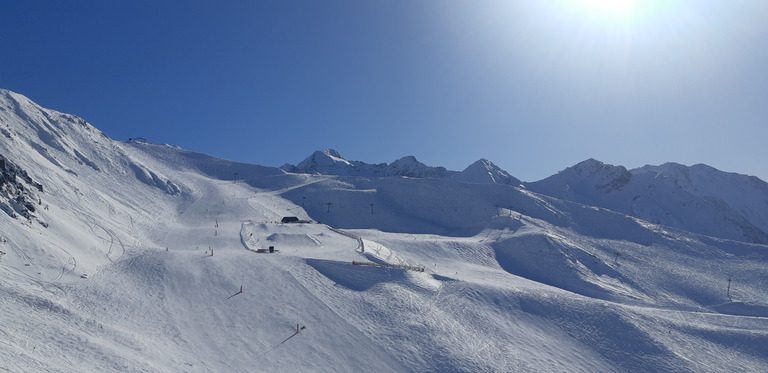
(484, 171)
(130, 256)
(330, 162)
(698, 199)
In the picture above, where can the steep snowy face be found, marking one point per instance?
(485, 172)
(65, 187)
(37, 137)
(62, 139)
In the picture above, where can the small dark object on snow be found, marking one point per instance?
(293, 219)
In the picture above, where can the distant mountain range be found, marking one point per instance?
(698, 198)
(330, 162)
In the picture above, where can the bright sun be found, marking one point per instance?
(609, 10)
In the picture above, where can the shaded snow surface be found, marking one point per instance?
(147, 248)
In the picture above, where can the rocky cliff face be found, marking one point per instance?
(17, 190)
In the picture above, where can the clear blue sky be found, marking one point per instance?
(534, 86)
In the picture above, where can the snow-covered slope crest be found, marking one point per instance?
(38, 139)
(699, 198)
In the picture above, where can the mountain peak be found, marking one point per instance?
(409, 166)
(604, 176)
(593, 166)
(322, 161)
(484, 171)
(584, 182)
(332, 153)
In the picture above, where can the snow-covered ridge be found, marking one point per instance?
(699, 198)
(330, 162)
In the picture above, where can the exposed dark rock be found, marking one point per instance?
(17, 190)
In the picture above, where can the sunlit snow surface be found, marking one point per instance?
(147, 248)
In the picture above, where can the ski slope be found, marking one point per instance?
(146, 248)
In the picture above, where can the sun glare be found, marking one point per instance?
(608, 10)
